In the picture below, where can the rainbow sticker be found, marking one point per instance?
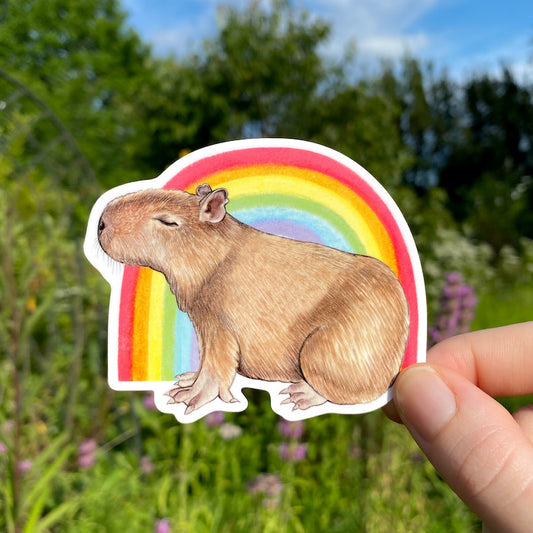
(289, 188)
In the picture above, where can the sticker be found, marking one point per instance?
(273, 264)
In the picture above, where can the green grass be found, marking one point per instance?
(503, 306)
(361, 474)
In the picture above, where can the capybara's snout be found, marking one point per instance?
(104, 231)
(101, 226)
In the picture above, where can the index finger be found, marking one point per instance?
(499, 361)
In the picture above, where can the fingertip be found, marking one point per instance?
(391, 409)
(424, 401)
(391, 412)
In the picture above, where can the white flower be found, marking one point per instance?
(230, 431)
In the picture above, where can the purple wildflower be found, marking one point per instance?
(149, 402)
(214, 419)
(456, 311)
(293, 452)
(86, 461)
(3, 447)
(87, 453)
(87, 446)
(291, 430)
(162, 526)
(269, 486)
(453, 278)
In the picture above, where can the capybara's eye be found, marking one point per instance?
(167, 222)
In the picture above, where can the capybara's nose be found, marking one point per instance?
(101, 226)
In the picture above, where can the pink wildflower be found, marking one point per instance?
(214, 419)
(87, 453)
(149, 402)
(162, 526)
(291, 430)
(24, 465)
(147, 466)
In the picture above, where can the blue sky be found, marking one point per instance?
(465, 36)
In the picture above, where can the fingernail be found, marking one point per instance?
(425, 402)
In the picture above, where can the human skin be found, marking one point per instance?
(482, 451)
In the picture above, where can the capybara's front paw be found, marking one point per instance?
(192, 397)
(302, 395)
(186, 379)
(196, 392)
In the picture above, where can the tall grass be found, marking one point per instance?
(501, 306)
(360, 474)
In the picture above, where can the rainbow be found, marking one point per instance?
(290, 188)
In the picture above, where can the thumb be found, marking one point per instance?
(473, 442)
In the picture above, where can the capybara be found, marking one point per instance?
(331, 324)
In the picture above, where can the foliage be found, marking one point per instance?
(49, 312)
(262, 75)
(475, 142)
(451, 251)
(364, 472)
(254, 79)
(88, 66)
(491, 165)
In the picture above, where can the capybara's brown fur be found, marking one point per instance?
(331, 323)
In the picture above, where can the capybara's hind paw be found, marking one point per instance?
(302, 395)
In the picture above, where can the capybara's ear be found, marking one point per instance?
(212, 206)
(203, 190)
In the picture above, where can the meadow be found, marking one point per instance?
(78, 457)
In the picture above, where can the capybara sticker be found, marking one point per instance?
(268, 263)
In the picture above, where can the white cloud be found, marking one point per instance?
(172, 40)
(392, 46)
(379, 27)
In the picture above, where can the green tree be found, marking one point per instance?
(81, 59)
(473, 141)
(254, 78)
(263, 74)
(488, 172)
(428, 122)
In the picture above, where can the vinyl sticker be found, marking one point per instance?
(273, 264)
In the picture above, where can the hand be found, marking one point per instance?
(482, 451)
